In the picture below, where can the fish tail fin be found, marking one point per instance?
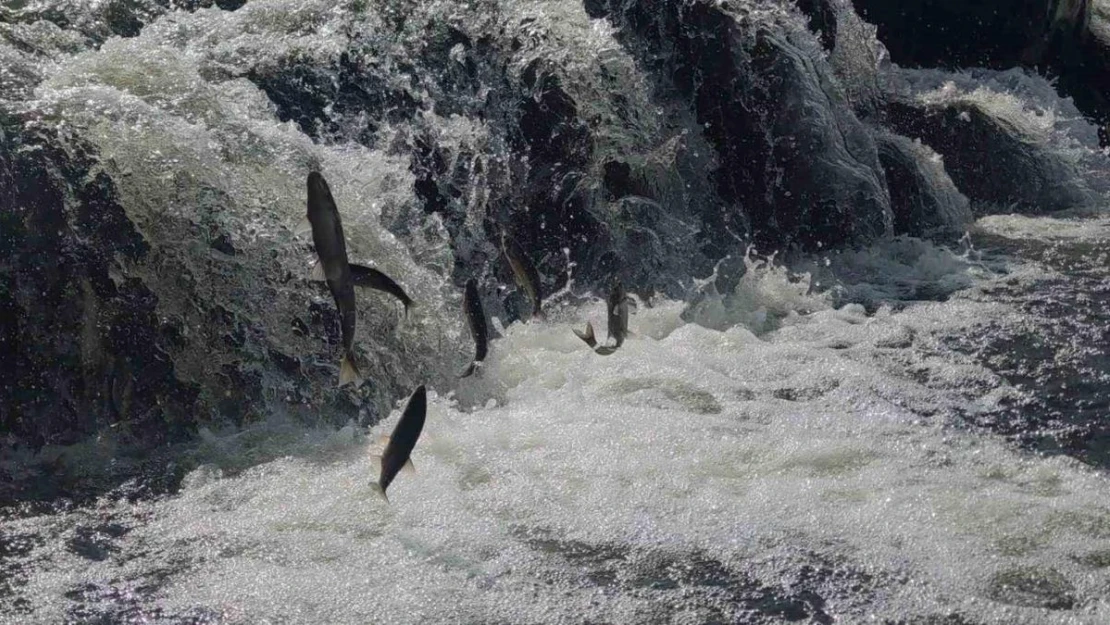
(408, 304)
(587, 336)
(469, 370)
(348, 371)
(379, 491)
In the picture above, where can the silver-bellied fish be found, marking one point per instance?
(524, 271)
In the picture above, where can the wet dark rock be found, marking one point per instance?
(822, 16)
(923, 197)
(1002, 35)
(855, 54)
(86, 341)
(222, 243)
(996, 163)
(133, 337)
(346, 100)
(792, 157)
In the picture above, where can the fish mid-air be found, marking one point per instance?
(617, 312)
(524, 272)
(372, 278)
(331, 247)
(341, 275)
(476, 319)
(401, 443)
(617, 315)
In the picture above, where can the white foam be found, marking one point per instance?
(830, 438)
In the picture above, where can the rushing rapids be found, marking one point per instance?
(867, 379)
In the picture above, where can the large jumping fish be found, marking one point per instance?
(374, 279)
(341, 275)
(405, 434)
(331, 247)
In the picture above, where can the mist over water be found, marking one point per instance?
(895, 431)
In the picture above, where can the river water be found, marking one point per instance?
(904, 432)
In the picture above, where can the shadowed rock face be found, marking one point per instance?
(924, 199)
(1067, 39)
(969, 122)
(646, 146)
(855, 53)
(110, 324)
(992, 161)
(793, 158)
(83, 345)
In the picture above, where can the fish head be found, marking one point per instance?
(319, 194)
(419, 400)
(616, 294)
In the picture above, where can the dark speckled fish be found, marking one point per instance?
(617, 312)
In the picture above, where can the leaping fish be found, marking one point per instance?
(372, 278)
(331, 247)
(476, 319)
(617, 312)
(524, 272)
(401, 443)
(617, 315)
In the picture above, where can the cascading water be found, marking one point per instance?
(864, 426)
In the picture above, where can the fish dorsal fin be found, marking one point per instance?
(317, 272)
(409, 466)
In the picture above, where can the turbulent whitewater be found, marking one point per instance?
(867, 381)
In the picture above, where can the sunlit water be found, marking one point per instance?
(825, 441)
(817, 470)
